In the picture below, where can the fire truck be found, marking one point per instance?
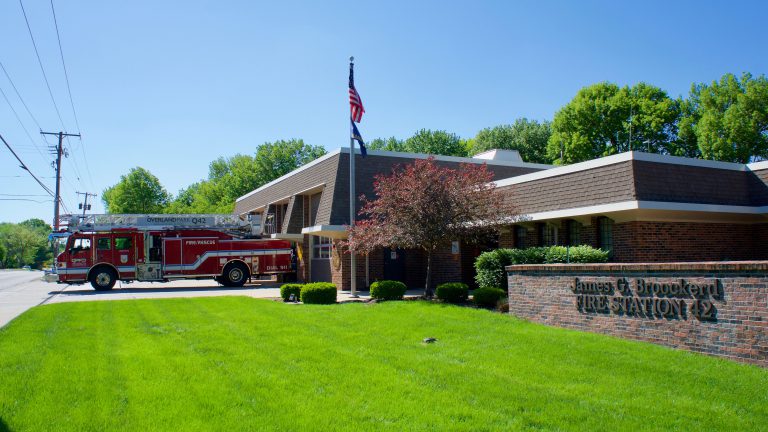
(102, 249)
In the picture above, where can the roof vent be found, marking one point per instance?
(499, 155)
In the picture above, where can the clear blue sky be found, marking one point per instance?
(170, 86)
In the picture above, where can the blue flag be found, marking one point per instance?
(359, 138)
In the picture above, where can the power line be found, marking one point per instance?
(64, 66)
(24, 167)
(25, 199)
(22, 125)
(19, 96)
(71, 100)
(40, 62)
(23, 195)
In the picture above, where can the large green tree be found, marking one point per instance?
(25, 243)
(230, 178)
(139, 191)
(276, 159)
(728, 119)
(605, 119)
(436, 142)
(389, 144)
(529, 137)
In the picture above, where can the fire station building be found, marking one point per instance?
(642, 207)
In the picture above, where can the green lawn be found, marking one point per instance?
(236, 363)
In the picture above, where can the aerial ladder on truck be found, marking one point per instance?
(249, 226)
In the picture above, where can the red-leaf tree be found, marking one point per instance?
(425, 206)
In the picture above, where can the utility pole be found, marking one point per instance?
(85, 205)
(58, 151)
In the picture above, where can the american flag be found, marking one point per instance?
(355, 104)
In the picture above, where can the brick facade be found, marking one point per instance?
(447, 267)
(686, 241)
(645, 241)
(736, 328)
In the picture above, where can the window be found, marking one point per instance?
(321, 248)
(573, 236)
(156, 250)
(605, 233)
(547, 234)
(104, 243)
(82, 244)
(122, 243)
(520, 237)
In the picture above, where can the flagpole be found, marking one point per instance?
(352, 201)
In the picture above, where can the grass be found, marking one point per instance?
(235, 363)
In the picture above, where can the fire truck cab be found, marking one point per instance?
(103, 249)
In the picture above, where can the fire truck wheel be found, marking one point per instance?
(103, 279)
(235, 275)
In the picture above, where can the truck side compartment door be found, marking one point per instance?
(172, 251)
(200, 256)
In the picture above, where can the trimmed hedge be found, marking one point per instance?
(452, 292)
(490, 265)
(287, 289)
(388, 290)
(488, 297)
(318, 293)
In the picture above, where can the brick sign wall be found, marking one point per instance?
(714, 308)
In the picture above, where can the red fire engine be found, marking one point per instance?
(102, 249)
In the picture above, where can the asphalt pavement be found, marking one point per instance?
(21, 290)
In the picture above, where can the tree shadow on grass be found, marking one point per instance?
(4, 427)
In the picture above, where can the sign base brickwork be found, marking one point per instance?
(716, 308)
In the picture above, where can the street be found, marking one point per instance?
(21, 290)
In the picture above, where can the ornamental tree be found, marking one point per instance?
(426, 206)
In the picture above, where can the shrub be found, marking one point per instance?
(388, 290)
(531, 255)
(452, 292)
(488, 297)
(490, 268)
(287, 289)
(318, 293)
(490, 265)
(588, 254)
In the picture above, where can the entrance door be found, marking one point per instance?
(320, 266)
(394, 264)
